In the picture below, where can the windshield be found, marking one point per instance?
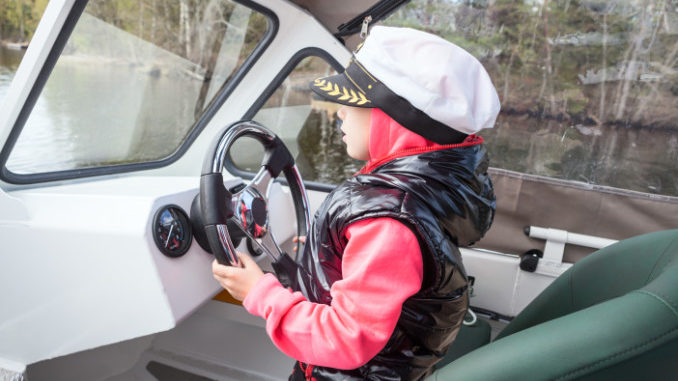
(133, 79)
(589, 90)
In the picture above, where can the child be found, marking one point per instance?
(380, 291)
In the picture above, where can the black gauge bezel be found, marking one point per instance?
(186, 224)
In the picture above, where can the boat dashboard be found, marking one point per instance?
(123, 263)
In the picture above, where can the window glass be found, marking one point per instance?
(132, 80)
(589, 89)
(308, 126)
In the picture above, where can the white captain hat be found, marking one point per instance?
(427, 84)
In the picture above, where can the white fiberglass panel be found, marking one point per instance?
(80, 271)
(501, 286)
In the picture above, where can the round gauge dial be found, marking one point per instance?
(172, 231)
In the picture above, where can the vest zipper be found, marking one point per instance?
(308, 371)
(471, 140)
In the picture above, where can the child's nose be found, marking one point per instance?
(341, 113)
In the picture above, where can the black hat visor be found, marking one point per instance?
(343, 89)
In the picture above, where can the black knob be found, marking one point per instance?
(530, 259)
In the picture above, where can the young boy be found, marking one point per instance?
(380, 291)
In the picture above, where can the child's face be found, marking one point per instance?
(356, 127)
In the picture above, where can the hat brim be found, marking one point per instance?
(340, 89)
(357, 87)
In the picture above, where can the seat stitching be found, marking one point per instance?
(656, 263)
(570, 281)
(665, 300)
(636, 347)
(626, 351)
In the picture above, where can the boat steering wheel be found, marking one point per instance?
(225, 215)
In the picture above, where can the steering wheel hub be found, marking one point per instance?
(250, 207)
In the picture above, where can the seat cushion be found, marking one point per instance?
(614, 314)
(647, 262)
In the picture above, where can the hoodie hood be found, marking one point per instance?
(451, 179)
(388, 138)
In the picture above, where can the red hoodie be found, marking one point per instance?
(381, 267)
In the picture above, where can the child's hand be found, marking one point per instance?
(301, 238)
(238, 281)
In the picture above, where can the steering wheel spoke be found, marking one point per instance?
(266, 242)
(262, 182)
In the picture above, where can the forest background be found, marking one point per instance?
(19, 18)
(547, 48)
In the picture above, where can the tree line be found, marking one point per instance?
(19, 18)
(590, 62)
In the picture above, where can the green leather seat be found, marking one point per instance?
(612, 316)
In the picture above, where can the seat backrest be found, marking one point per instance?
(613, 315)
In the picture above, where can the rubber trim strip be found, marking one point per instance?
(378, 11)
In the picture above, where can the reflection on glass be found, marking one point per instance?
(589, 89)
(308, 126)
(132, 80)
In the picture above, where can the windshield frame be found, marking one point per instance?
(267, 93)
(46, 70)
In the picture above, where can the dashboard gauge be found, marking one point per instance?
(172, 231)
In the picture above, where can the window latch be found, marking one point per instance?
(363, 29)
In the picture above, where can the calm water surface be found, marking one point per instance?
(93, 113)
(9, 62)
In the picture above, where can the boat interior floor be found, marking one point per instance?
(197, 349)
(496, 326)
(220, 341)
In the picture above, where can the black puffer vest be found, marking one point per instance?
(446, 198)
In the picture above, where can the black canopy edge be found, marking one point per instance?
(378, 12)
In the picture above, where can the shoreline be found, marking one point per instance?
(14, 45)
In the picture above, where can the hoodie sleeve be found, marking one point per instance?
(382, 266)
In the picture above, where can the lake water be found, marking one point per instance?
(9, 62)
(625, 157)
